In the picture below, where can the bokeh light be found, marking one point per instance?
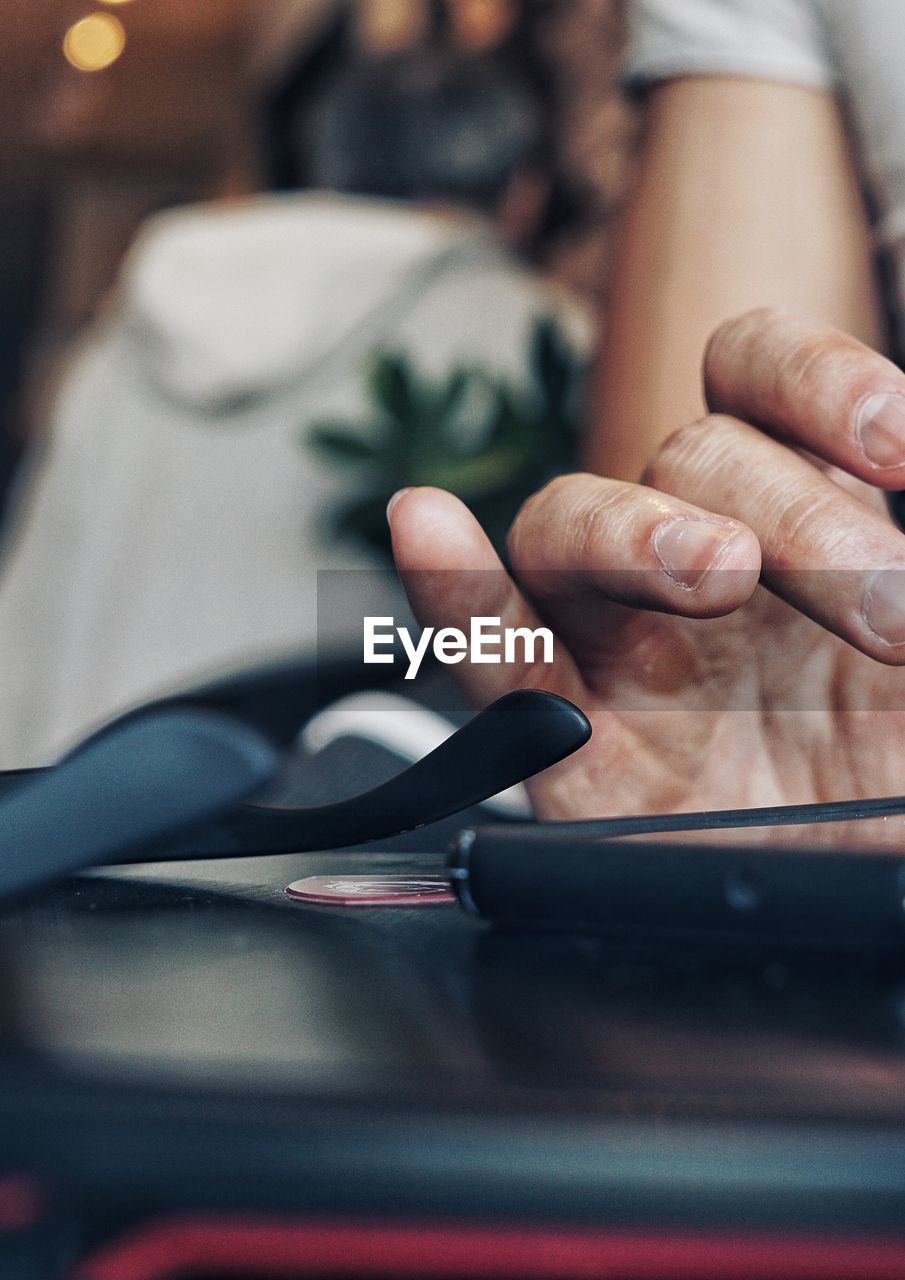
(94, 42)
(388, 26)
(482, 24)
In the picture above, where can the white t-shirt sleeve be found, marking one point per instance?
(771, 39)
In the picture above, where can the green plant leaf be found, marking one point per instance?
(492, 469)
(417, 437)
(553, 365)
(340, 445)
(452, 393)
(391, 387)
(363, 520)
(511, 422)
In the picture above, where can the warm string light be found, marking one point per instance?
(391, 26)
(94, 42)
(482, 24)
(388, 26)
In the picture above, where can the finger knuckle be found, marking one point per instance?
(734, 335)
(603, 522)
(745, 325)
(537, 512)
(794, 511)
(569, 519)
(686, 452)
(803, 369)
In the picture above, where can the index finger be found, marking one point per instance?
(451, 573)
(814, 387)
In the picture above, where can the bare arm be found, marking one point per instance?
(747, 196)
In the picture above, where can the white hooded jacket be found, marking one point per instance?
(172, 524)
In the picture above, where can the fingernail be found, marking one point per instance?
(884, 605)
(688, 548)
(395, 498)
(880, 429)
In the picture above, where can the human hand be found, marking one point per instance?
(734, 625)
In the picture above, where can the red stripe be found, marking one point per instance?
(282, 1249)
(21, 1203)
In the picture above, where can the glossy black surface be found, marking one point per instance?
(188, 1035)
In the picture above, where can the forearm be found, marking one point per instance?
(746, 197)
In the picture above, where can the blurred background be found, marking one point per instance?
(111, 111)
(262, 263)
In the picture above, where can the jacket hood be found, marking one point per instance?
(223, 304)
